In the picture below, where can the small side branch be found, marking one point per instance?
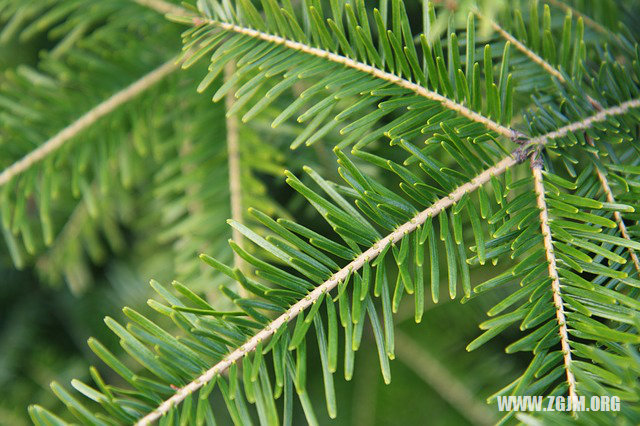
(524, 49)
(585, 124)
(370, 254)
(86, 120)
(618, 217)
(604, 183)
(553, 71)
(536, 169)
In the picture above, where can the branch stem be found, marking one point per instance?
(536, 169)
(604, 182)
(233, 160)
(553, 71)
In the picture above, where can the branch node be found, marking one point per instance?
(536, 160)
(520, 154)
(518, 137)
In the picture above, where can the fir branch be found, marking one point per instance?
(604, 183)
(585, 124)
(550, 69)
(536, 170)
(365, 68)
(88, 119)
(328, 285)
(408, 227)
(601, 176)
(295, 304)
(522, 48)
(555, 73)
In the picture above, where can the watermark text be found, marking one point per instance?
(558, 403)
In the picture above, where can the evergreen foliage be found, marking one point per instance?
(509, 153)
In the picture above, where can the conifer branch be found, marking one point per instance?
(536, 169)
(328, 285)
(365, 68)
(408, 227)
(552, 70)
(604, 183)
(164, 7)
(289, 45)
(491, 125)
(88, 119)
(585, 124)
(522, 48)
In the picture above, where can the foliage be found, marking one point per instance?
(510, 152)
